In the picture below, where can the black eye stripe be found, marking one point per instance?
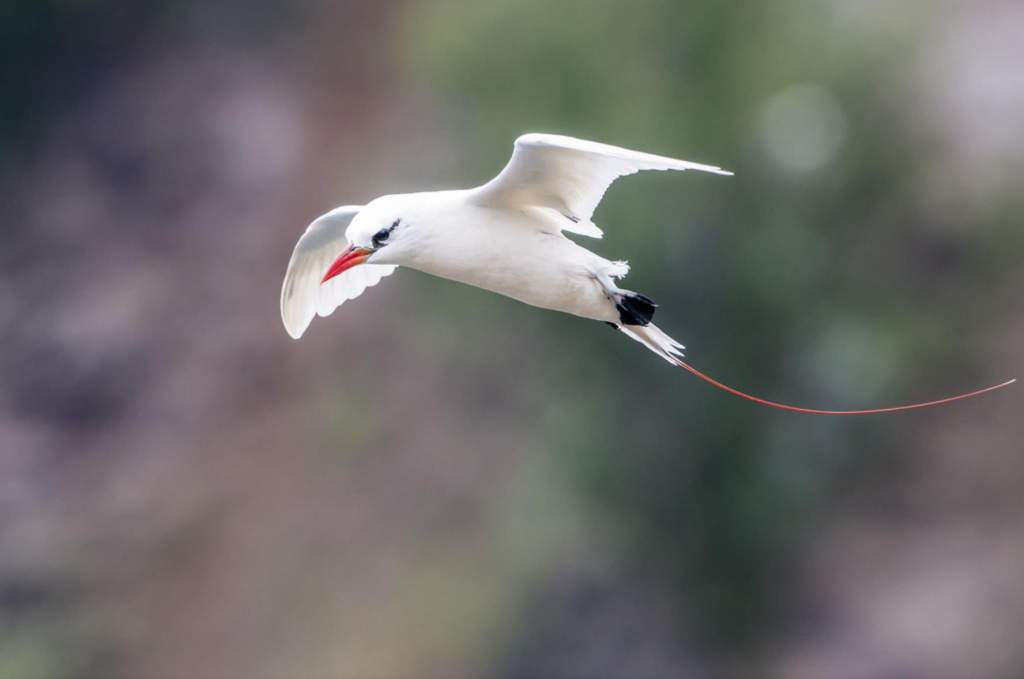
(381, 236)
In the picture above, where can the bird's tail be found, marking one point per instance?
(636, 311)
(657, 341)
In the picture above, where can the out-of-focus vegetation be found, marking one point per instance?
(785, 278)
(437, 481)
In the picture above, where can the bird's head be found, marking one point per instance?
(378, 234)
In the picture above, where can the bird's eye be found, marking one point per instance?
(381, 237)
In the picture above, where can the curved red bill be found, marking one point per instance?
(352, 256)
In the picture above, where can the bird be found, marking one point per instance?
(507, 236)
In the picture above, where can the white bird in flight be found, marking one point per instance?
(506, 236)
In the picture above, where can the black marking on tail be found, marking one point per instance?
(635, 309)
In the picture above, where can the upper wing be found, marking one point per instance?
(302, 294)
(570, 175)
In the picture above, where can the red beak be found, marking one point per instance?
(352, 256)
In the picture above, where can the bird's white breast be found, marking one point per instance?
(510, 252)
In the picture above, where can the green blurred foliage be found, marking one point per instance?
(775, 281)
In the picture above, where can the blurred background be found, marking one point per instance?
(439, 482)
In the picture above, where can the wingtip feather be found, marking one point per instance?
(713, 169)
(294, 332)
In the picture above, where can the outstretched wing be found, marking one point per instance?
(570, 175)
(302, 294)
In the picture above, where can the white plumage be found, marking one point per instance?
(570, 176)
(302, 294)
(506, 237)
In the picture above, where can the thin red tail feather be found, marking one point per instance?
(817, 411)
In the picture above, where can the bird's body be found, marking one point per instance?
(506, 236)
(472, 243)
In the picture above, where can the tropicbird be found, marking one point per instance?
(506, 236)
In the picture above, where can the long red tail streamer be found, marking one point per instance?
(816, 411)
